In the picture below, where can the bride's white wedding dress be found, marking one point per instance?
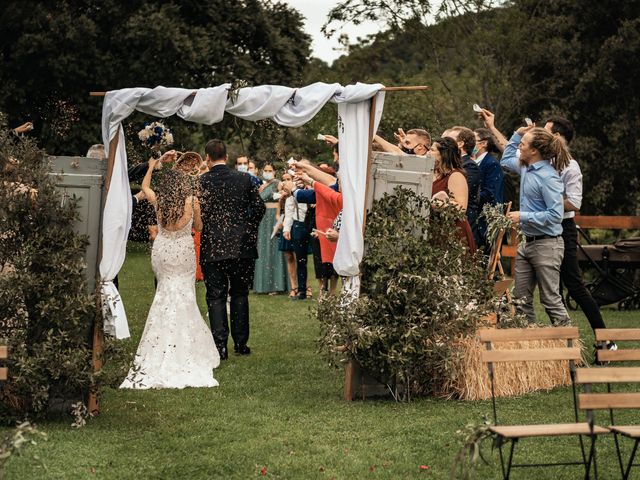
(177, 349)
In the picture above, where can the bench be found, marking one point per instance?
(586, 222)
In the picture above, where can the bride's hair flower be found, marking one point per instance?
(155, 135)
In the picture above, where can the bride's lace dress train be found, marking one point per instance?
(177, 349)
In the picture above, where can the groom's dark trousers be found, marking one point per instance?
(231, 213)
(231, 278)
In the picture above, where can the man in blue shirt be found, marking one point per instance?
(539, 257)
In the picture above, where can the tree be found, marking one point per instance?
(518, 58)
(55, 52)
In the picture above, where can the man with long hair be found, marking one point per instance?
(542, 157)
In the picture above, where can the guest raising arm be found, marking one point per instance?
(489, 122)
(542, 156)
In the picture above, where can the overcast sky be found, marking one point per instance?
(315, 13)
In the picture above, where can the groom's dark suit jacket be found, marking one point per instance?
(231, 214)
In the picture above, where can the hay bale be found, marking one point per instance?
(471, 381)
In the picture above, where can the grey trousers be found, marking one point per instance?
(538, 262)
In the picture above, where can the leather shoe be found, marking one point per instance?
(224, 354)
(242, 349)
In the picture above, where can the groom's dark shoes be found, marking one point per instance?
(224, 354)
(242, 349)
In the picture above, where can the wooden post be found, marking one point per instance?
(4, 371)
(98, 327)
(372, 122)
(349, 374)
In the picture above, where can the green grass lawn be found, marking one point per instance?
(278, 413)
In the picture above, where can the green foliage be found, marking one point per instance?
(421, 292)
(24, 434)
(472, 436)
(518, 58)
(54, 53)
(497, 221)
(45, 311)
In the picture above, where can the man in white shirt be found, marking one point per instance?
(570, 273)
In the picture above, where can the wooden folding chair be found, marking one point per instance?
(513, 433)
(3, 355)
(615, 375)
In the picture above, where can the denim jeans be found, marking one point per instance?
(538, 263)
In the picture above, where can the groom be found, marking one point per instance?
(231, 214)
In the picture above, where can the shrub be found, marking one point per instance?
(421, 292)
(46, 314)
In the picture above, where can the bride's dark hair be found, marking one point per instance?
(174, 188)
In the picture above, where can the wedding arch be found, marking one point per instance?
(359, 111)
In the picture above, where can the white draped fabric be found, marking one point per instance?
(291, 107)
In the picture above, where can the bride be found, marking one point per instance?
(177, 349)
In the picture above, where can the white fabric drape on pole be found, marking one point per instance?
(284, 105)
(353, 134)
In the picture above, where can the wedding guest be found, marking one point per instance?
(570, 273)
(450, 184)
(491, 180)
(252, 170)
(510, 180)
(270, 271)
(414, 142)
(538, 261)
(96, 151)
(24, 128)
(466, 141)
(489, 120)
(295, 230)
(323, 264)
(242, 165)
(285, 245)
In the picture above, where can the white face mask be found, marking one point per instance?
(267, 176)
(242, 168)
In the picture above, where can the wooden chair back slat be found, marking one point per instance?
(4, 352)
(608, 375)
(521, 334)
(618, 355)
(599, 401)
(3, 373)
(617, 334)
(531, 355)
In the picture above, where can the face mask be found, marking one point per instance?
(243, 168)
(475, 151)
(267, 176)
(408, 151)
